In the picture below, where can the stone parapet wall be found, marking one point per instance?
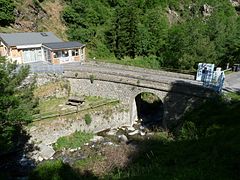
(138, 69)
(168, 85)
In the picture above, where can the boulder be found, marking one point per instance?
(46, 152)
(133, 133)
(112, 132)
(123, 138)
(142, 133)
(40, 159)
(131, 128)
(97, 139)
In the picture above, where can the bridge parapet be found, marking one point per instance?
(143, 70)
(190, 88)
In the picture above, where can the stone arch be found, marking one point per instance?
(150, 112)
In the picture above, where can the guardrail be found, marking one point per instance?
(47, 68)
(40, 117)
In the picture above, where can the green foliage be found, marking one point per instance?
(56, 170)
(16, 103)
(75, 140)
(88, 119)
(125, 29)
(6, 12)
(207, 147)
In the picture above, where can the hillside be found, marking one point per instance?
(31, 16)
(171, 34)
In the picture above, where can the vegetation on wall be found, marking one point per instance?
(74, 140)
(176, 34)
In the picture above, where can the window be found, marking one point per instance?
(65, 53)
(57, 54)
(75, 52)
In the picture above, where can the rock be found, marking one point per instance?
(123, 138)
(72, 150)
(207, 10)
(112, 132)
(151, 134)
(40, 159)
(141, 127)
(108, 143)
(123, 128)
(133, 133)
(97, 139)
(131, 128)
(235, 3)
(142, 133)
(46, 152)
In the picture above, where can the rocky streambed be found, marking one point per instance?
(115, 144)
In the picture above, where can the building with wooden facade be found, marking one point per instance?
(32, 47)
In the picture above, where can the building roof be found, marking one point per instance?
(28, 38)
(63, 45)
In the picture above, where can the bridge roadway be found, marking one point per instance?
(131, 72)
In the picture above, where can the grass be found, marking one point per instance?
(51, 106)
(56, 170)
(233, 96)
(56, 106)
(72, 141)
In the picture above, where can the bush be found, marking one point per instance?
(88, 119)
(91, 78)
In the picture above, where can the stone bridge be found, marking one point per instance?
(178, 92)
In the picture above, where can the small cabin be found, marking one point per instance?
(30, 47)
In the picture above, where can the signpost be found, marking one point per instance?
(209, 77)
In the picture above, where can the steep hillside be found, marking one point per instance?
(157, 34)
(31, 15)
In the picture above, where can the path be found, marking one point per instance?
(232, 82)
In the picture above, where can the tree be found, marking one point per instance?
(6, 12)
(16, 104)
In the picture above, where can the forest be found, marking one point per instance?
(169, 33)
(158, 33)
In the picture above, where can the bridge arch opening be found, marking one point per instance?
(149, 109)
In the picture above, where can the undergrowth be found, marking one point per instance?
(74, 140)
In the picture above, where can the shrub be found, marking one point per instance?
(91, 78)
(88, 119)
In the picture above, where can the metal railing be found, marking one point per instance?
(46, 68)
